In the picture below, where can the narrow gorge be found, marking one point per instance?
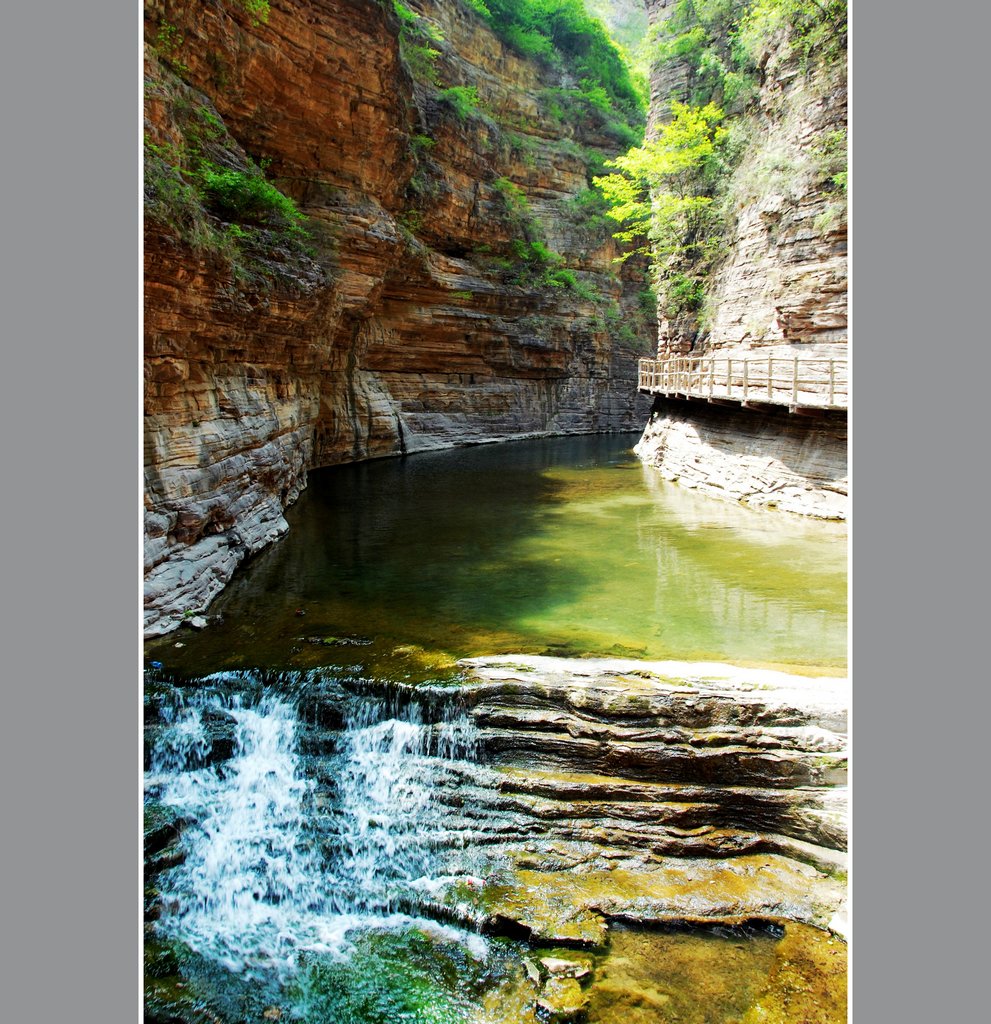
(452, 288)
(465, 700)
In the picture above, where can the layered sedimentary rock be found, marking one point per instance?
(658, 791)
(767, 459)
(575, 793)
(397, 327)
(780, 288)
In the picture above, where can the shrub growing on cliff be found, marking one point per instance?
(702, 36)
(258, 9)
(562, 33)
(812, 27)
(662, 192)
(415, 38)
(462, 99)
(247, 196)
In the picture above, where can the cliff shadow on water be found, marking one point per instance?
(565, 546)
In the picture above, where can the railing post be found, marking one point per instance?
(794, 383)
(832, 381)
(745, 365)
(712, 373)
(770, 378)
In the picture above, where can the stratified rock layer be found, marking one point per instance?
(400, 330)
(780, 288)
(655, 791)
(770, 459)
(600, 790)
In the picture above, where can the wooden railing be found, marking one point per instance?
(753, 380)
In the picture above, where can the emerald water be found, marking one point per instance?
(293, 857)
(567, 546)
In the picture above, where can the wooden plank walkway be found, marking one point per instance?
(754, 381)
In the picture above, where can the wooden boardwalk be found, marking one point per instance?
(804, 385)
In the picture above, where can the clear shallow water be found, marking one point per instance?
(568, 546)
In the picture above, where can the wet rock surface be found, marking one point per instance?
(574, 812)
(601, 790)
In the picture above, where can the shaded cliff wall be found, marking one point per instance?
(780, 285)
(404, 319)
(770, 459)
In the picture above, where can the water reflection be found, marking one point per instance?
(566, 546)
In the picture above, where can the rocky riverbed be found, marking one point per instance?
(547, 803)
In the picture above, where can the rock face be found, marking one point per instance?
(770, 459)
(402, 324)
(784, 281)
(588, 791)
(659, 791)
(781, 287)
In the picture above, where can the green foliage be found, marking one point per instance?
(588, 108)
(405, 14)
(216, 202)
(517, 208)
(247, 196)
(421, 61)
(415, 36)
(397, 977)
(168, 43)
(410, 222)
(703, 35)
(830, 156)
(533, 263)
(828, 219)
(662, 192)
(814, 28)
(258, 9)
(683, 294)
(562, 33)
(462, 99)
(421, 143)
(588, 211)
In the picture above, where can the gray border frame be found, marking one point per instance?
(71, 414)
(919, 609)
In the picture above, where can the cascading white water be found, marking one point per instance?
(251, 870)
(391, 823)
(255, 886)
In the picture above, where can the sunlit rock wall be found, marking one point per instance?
(400, 330)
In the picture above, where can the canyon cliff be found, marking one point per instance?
(779, 283)
(445, 285)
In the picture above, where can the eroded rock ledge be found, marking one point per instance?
(657, 791)
(767, 459)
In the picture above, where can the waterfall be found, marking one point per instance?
(265, 877)
(391, 823)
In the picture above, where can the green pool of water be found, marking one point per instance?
(567, 546)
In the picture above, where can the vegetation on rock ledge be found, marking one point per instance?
(676, 197)
(217, 199)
